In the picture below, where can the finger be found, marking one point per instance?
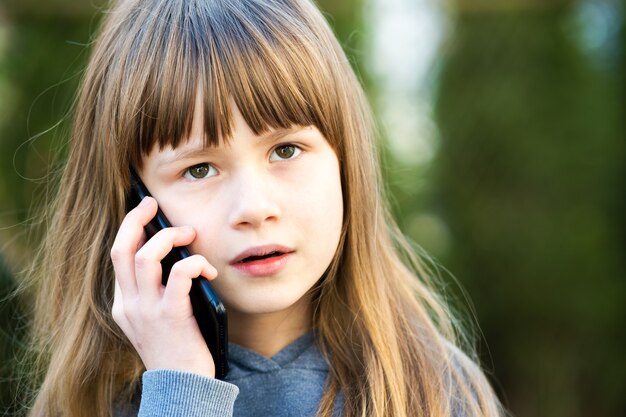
(179, 282)
(128, 237)
(148, 258)
(117, 310)
(142, 240)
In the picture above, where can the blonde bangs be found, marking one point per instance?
(271, 66)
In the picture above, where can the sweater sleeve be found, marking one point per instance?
(174, 393)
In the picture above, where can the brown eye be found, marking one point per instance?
(284, 152)
(200, 171)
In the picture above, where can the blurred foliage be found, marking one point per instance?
(506, 6)
(68, 9)
(12, 336)
(39, 71)
(530, 180)
(40, 61)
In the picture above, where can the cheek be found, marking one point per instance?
(202, 217)
(326, 204)
(208, 243)
(322, 204)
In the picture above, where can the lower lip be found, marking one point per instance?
(263, 267)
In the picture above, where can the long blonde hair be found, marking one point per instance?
(388, 336)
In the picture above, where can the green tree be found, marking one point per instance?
(530, 180)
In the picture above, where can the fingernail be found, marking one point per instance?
(187, 229)
(144, 202)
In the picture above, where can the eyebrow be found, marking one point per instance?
(185, 152)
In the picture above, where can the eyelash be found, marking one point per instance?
(297, 151)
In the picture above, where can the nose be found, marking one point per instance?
(254, 202)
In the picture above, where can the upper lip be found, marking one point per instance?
(261, 251)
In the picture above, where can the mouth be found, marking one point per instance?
(257, 258)
(260, 253)
(262, 261)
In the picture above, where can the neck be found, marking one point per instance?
(268, 333)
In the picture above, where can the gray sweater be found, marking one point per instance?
(290, 384)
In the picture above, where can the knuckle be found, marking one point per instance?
(117, 312)
(199, 259)
(166, 233)
(184, 267)
(142, 259)
(178, 269)
(117, 253)
(129, 310)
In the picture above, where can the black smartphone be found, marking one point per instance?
(208, 310)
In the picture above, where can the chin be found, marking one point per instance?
(272, 302)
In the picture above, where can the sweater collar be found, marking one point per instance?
(301, 353)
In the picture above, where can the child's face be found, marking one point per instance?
(276, 193)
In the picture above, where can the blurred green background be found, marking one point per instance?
(503, 149)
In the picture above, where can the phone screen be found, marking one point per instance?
(208, 310)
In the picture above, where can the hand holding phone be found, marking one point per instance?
(208, 310)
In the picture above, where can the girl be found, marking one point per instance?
(247, 124)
